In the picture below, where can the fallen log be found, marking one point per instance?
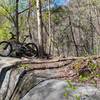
(58, 59)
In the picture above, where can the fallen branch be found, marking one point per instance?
(32, 61)
(44, 67)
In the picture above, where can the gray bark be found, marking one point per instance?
(40, 28)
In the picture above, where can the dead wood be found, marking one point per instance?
(40, 61)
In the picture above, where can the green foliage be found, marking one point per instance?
(77, 97)
(83, 78)
(3, 35)
(5, 19)
(70, 87)
(93, 64)
(4, 30)
(2, 11)
(25, 66)
(98, 75)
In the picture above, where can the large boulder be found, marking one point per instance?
(20, 83)
(61, 90)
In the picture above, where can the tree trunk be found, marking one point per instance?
(28, 21)
(40, 28)
(49, 22)
(75, 44)
(17, 18)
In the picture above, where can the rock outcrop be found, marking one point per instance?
(18, 82)
(60, 90)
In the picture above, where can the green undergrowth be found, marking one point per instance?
(69, 89)
(25, 66)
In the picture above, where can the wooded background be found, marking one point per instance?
(72, 29)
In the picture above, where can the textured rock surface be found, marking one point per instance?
(15, 82)
(55, 90)
(18, 83)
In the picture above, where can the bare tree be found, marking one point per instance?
(49, 21)
(40, 28)
(28, 21)
(17, 22)
(71, 28)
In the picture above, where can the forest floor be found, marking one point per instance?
(77, 69)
